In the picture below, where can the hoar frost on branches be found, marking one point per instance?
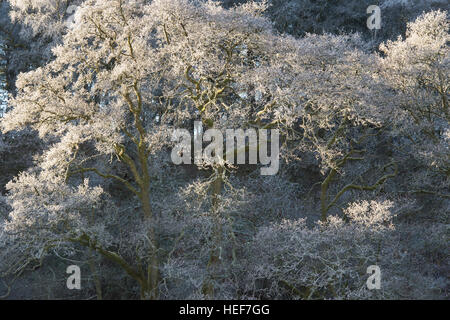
(131, 71)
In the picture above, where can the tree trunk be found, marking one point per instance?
(150, 289)
(324, 195)
(214, 259)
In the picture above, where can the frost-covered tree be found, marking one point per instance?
(128, 72)
(289, 259)
(30, 29)
(124, 77)
(418, 66)
(418, 69)
(327, 101)
(300, 261)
